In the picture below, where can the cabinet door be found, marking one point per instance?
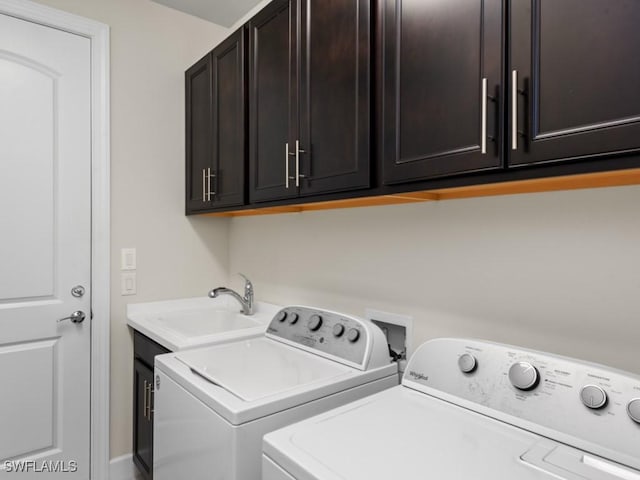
(436, 117)
(142, 420)
(273, 105)
(335, 79)
(199, 130)
(228, 182)
(577, 69)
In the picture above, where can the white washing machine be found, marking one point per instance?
(213, 405)
(469, 409)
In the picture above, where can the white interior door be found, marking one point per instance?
(45, 249)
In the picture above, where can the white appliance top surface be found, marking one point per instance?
(261, 367)
(194, 322)
(404, 434)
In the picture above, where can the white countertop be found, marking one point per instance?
(194, 322)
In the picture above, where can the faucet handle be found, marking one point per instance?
(248, 286)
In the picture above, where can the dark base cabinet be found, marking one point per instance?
(144, 353)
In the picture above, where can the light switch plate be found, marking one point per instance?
(128, 282)
(128, 259)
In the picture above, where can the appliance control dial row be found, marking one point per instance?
(593, 397)
(633, 409)
(524, 376)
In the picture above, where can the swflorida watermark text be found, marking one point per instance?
(44, 466)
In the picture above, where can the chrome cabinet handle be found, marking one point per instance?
(286, 165)
(148, 400)
(514, 110)
(144, 402)
(483, 127)
(209, 177)
(204, 184)
(76, 317)
(298, 152)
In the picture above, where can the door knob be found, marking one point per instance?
(76, 317)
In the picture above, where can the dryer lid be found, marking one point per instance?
(260, 368)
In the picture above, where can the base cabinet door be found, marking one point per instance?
(574, 77)
(441, 77)
(143, 421)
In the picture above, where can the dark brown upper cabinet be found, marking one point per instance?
(216, 128)
(576, 72)
(310, 89)
(441, 87)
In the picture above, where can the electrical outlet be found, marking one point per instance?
(399, 332)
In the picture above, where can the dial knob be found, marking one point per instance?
(593, 396)
(467, 363)
(315, 322)
(633, 409)
(293, 318)
(338, 329)
(281, 316)
(353, 335)
(524, 376)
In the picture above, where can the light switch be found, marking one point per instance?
(128, 259)
(128, 280)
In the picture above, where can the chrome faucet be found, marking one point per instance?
(246, 301)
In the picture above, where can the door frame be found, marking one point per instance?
(98, 33)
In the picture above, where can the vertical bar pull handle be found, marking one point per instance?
(144, 401)
(204, 186)
(286, 165)
(297, 163)
(514, 110)
(148, 396)
(483, 128)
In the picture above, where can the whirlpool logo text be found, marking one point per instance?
(419, 376)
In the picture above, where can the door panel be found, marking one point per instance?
(29, 162)
(199, 131)
(577, 75)
(22, 366)
(272, 101)
(436, 55)
(45, 226)
(335, 95)
(229, 121)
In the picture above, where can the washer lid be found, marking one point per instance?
(401, 433)
(261, 368)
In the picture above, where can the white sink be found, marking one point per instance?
(194, 322)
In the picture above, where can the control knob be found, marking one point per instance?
(338, 329)
(281, 316)
(315, 322)
(593, 397)
(353, 335)
(467, 363)
(293, 318)
(633, 409)
(524, 376)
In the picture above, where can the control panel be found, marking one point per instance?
(589, 406)
(344, 338)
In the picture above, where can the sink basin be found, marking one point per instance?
(195, 322)
(204, 322)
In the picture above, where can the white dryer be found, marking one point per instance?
(213, 405)
(470, 409)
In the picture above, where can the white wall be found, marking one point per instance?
(553, 271)
(151, 46)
